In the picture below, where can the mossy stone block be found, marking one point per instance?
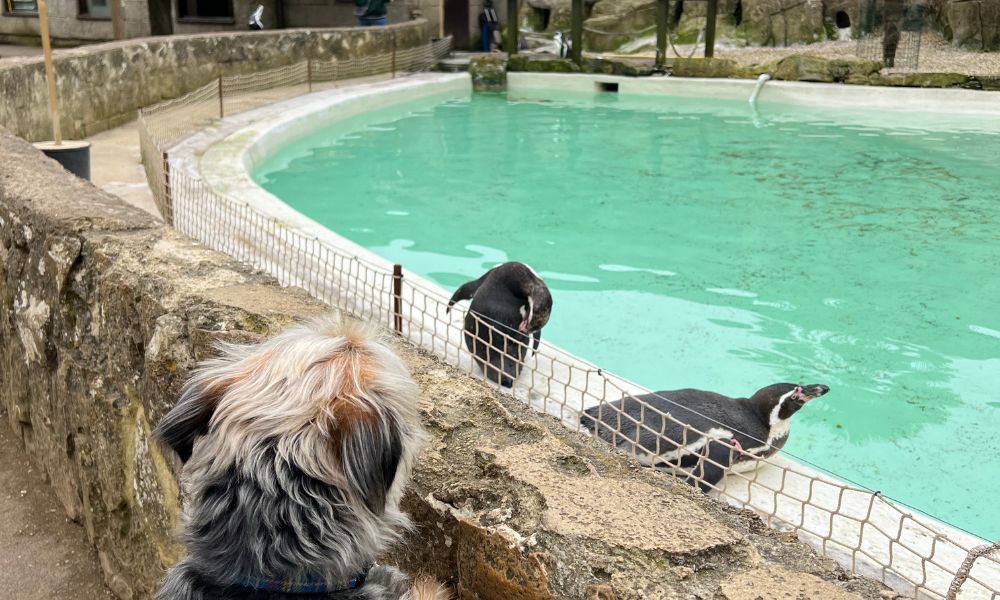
(705, 67)
(489, 73)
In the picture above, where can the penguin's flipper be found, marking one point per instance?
(711, 468)
(465, 292)
(537, 341)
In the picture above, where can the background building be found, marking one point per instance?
(73, 22)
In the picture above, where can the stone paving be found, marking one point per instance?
(43, 555)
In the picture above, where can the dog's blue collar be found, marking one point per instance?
(306, 585)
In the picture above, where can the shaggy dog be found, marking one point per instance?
(296, 453)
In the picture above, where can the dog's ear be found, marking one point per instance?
(371, 449)
(190, 417)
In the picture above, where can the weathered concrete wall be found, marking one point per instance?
(241, 16)
(102, 86)
(104, 312)
(66, 26)
(310, 13)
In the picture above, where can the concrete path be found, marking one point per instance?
(116, 166)
(12, 51)
(43, 555)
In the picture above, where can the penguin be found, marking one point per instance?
(255, 22)
(510, 305)
(563, 46)
(752, 428)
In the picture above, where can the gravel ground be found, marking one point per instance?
(937, 55)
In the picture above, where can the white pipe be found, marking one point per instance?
(764, 77)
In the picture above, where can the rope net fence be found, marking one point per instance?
(865, 532)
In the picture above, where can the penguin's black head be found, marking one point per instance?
(785, 398)
(524, 283)
(535, 314)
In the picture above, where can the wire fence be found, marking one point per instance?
(890, 32)
(162, 125)
(867, 533)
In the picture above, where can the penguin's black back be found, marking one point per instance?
(497, 303)
(703, 411)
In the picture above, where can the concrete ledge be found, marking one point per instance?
(956, 102)
(797, 67)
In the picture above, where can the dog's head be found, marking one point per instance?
(329, 398)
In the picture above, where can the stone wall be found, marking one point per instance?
(102, 86)
(970, 24)
(104, 313)
(975, 24)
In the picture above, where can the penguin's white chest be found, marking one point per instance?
(779, 429)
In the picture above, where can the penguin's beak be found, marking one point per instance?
(523, 327)
(809, 392)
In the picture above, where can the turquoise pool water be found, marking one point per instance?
(691, 243)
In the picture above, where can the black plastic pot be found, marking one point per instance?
(73, 155)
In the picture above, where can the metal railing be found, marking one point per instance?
(867, 533)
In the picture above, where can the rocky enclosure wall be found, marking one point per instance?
(102, 86)
(970, 24)
(104, 313)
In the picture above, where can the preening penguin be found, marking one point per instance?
(510, 305)
(757, 427)
(564, 46)
(256, 21)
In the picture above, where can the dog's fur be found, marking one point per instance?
(297, 451)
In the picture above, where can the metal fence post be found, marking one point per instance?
(168, 202)
(576, 37)
(397, 298)
(512, 19)
(222, 112)
(713, 11)
(309, 74)
(662, 9)
(392, 36)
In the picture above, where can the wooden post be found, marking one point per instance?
(397, 298)
(50, 72)
(309, 73)
(441, 19)
(279, 14)
(117, 24)
(576, 36)
(222, 111)
(662, 10)
(392, 37)
(713, 11)
(511, 41)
